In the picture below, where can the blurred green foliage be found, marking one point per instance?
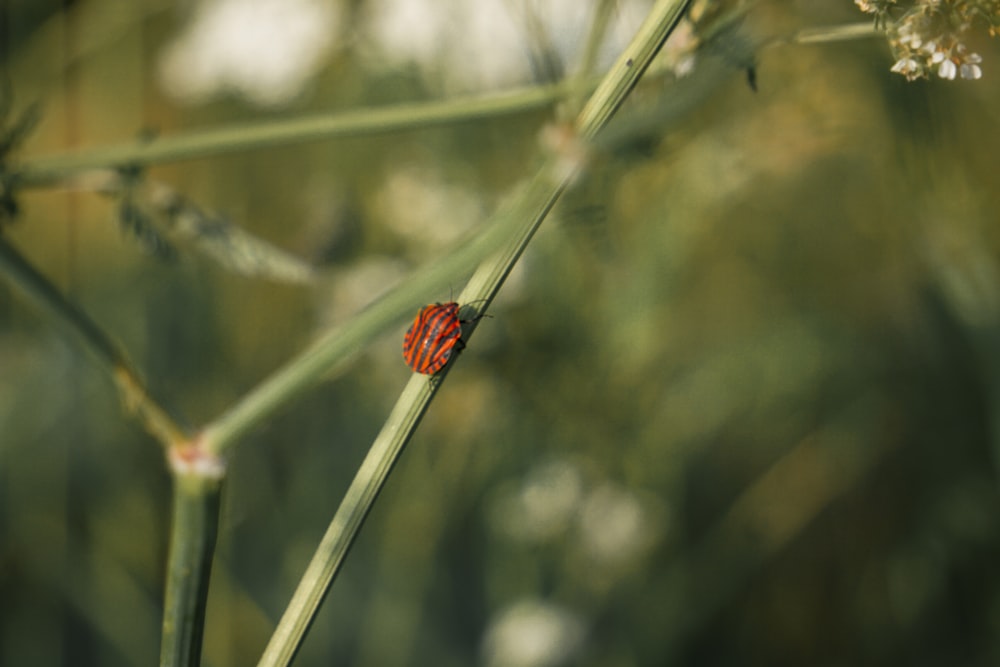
(740, 404)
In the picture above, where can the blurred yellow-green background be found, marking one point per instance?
(739, 404)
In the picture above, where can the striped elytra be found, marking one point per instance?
(431, 338)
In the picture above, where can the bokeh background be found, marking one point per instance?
(737, 405)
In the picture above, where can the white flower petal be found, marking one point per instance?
(970, 71)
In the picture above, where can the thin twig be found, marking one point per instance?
(37, 289)
(52, 170)
(835, 33)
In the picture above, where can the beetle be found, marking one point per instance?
(432, 337)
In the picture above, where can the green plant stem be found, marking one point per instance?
(591, 49)
(192, 542)
(39, 291)
(629, 66)
(55, 169)
(530, 209)
(835, 33)
(346, 523)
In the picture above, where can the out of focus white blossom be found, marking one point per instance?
(478, 45)
(265, 51)
(532, 633)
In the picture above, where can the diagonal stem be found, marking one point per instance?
(43, 294)
(530, 209)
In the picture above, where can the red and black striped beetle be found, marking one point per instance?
(432, 337)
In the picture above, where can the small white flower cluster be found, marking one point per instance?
(958, 60)
(927, 36)
(945, 54)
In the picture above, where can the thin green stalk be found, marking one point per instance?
(533, 204)
(595, 37)
(339, 536)
(55, 169)
(192, 542)
(591, 49)
(39, 291)
(631, 65)
(834, 33)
